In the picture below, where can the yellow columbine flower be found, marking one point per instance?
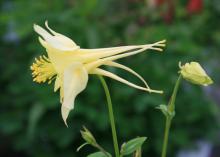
(194, 73)
(69, 65)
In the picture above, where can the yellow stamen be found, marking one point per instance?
(42, 70)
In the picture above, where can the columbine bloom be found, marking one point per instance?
(194, 73)
(69, 65)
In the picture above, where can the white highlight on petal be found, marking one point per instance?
(102, 72)
(58, 43)
(75, 81)
(42, 32)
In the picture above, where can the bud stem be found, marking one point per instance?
(169, 117)
(171, 105)
(102, 150)
(111, 115)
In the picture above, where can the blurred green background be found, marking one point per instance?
(30, 119)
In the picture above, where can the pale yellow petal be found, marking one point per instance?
(100, 62)
(75, 81)
(160, 43)
(43, 42)
(90, 55)
(57, 83)
(65, 112)
(198, 69)
(66, 42)
(52, 31)
(109, 48)
(42, 32)
(57, 40)
(117, 65)
(94, 54)
(61, 93)
(102, 72)
(194, 73)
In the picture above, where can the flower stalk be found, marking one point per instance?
(111, 116)
(169, 116)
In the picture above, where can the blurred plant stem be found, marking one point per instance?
(111, 115)
(103, 150)
(169, 116)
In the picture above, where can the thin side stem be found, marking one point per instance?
(169, 117)
(111, 116)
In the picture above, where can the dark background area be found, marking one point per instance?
(30, 119)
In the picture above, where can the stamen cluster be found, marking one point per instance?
(43, 70)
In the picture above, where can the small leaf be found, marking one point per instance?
(99, 154)
(132, 145)
(164, 109)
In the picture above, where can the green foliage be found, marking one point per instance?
(97, 154)
(30, 121)
(132, 145)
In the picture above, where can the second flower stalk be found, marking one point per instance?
(193, 73)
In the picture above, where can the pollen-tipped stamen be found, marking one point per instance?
(42, 70)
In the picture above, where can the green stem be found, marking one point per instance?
(169, 117)
(111, 115)
(166, 135)
(171, 105)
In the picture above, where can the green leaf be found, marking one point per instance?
(132, 145)
(98, 154)
(163, 109)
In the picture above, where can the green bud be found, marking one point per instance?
(194, 73)
(88, 137)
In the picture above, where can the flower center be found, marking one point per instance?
(43, 70)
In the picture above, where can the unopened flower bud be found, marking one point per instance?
(88, 137)
(194, 73)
